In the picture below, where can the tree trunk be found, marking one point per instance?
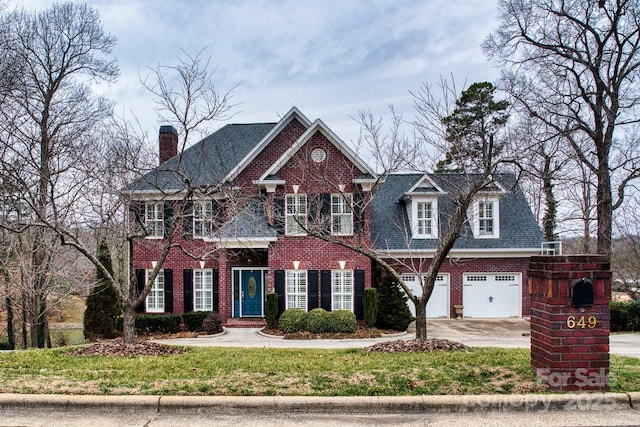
(421, 319)
(603, 208)
(128, 325)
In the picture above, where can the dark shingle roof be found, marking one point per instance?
(249, 223)
(207, 162)
(390, 226)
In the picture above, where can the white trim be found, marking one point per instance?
(249, 243)
(462, 253)
(475, 217)
(424, 178)
(257, 149)
(317, 126)
(413, 217)
(296, 274)
(264, 272)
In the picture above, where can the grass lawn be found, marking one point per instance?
(297, 372)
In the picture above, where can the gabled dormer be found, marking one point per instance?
(484, 215)
(421, 203)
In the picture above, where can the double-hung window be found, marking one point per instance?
(202, 214)
(341, 214)
(155, 299)
(296, 281)
(342, 290)
(296, 214)
(154, 219)
(425, 218)
(486, 221)
(203, 290)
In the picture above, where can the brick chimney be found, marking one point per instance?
(168, 142)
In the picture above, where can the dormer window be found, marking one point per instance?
(296, 214)
(424, 218)
(486, 218)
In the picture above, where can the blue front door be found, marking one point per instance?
(251, 293)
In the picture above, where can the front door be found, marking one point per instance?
(252, 298)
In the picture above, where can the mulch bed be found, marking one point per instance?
(432, 344)
(119, 349)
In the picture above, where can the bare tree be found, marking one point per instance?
(47, 121)
(473, 129)
(574, 66)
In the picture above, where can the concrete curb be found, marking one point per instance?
(327, 405)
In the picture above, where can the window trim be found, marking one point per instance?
(299, 291)
(155, 301)
(415, 219)
(495, 218)
(345, 205)
(300, 207)
(157, 231)
(208, 274)
(204, 217)
(339, 289)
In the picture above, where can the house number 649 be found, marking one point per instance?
(582, 322)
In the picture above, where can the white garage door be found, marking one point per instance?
(492, 295)
(438, 304)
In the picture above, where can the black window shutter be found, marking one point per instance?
(358, 212)
(325, 212)
(216, 215)
(168, 215)
(168, 290)
(216, 290)
(278, 281)
(187, 220)
(140, 282)
(137, 214)
(359, 294)
(187, 283)
(325, 289)
(279, 213)
(312, 289)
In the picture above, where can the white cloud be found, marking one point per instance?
(330, 58)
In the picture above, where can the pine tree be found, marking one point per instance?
(102, 306)
(393, 311)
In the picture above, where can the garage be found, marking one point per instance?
(492, 295)
(438, 304)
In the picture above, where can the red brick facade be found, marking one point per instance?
(294, 171)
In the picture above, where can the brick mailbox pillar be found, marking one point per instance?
(570, 321)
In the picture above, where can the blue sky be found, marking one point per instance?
(330, 58)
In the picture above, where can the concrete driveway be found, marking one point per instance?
(507, 333)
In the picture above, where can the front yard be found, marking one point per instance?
(293, 372)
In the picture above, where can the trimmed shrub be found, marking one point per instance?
(318, 321)
(619, 316)
(212, 324)
(342, 321)
(633, 316)
(193, 320)
(293, 320)
(393, 311)
(271, 310)
(370, 306)
(157, 324)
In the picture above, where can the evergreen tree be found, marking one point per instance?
(103, 307)
(393, 311)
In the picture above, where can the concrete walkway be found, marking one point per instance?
(506, 333)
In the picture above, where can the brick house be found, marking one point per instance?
(238, 203)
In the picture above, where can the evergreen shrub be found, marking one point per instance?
(293, 320)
